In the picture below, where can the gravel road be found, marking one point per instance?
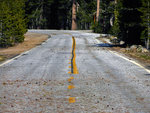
(39, 80)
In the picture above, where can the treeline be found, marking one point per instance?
(12, 22)
(16, 16)
(129, 20)
(49, 14)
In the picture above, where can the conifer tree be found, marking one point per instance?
(145, 10)
(12, 20)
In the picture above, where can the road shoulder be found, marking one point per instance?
(129, 56)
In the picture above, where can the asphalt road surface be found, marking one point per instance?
(73, 75)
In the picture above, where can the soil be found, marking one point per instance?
(31, 41)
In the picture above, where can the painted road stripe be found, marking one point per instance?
(72, 100)
(70, 79)
(26, 52)
(8, 61)
(74, 69)
(128, 59)
(71, 86)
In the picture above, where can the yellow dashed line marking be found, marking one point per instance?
(70, 79)
(71, 86)
(69, 72)
(72, 100)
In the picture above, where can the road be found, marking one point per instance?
(73, 75)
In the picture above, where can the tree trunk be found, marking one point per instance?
(97, 13)
(74, 23)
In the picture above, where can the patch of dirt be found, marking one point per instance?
(31, 40)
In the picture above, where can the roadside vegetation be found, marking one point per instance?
(12, 22)
(127, 20)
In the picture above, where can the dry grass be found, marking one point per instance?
(31, 40)
(144, 58)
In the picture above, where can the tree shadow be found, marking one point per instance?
(147, 75)
(106, 45)
(148, 67)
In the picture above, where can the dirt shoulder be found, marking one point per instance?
(31, 41)
(142, 58)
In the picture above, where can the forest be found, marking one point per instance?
(129, 20)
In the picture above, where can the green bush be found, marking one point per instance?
(12, 22)
(96, 27)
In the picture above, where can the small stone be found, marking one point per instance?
(4, 83)
(144, 50)
(134, 47)
(107, 105)
(122, 42)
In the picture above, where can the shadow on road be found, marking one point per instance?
(147, 74)
(105, 45)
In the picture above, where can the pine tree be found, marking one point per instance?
(85, 13)
(145, 10)
(129, 21)
(12, 20)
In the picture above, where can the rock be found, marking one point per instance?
(122, 42)
(133, 47)
(127, 49)
(139, 49)
(144, 50)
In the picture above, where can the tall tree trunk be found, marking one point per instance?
(74, 23)
(97, 13)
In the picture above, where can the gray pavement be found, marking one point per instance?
(37, 81)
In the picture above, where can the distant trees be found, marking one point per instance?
(145, 10)
(12, 22)
(129, 20)
(49, 14)
(86, 10)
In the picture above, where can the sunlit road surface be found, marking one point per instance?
(73, 75)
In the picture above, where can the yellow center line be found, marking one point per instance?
(73, 59)
(74, 69)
